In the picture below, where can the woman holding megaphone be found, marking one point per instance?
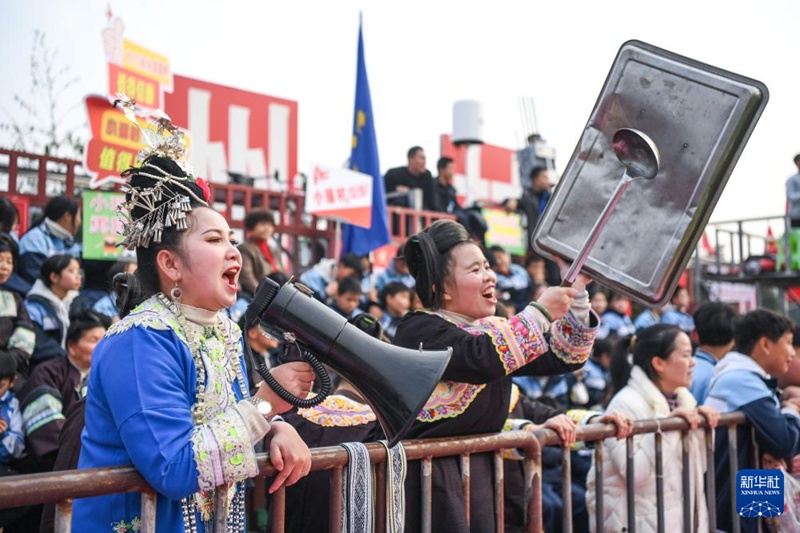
(457, 287)
(168, 393)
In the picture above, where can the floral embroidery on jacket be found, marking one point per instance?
(338, 411)
(122, 526)
(449, 399)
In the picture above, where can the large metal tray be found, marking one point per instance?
(700, 117)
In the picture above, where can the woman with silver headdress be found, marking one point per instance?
(168, 392)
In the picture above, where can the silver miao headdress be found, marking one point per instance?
(168, 201)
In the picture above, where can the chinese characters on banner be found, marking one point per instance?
(102, 226)
(340, 193)
(504, 229)
(140, 74)
(232, 131)
(114, 143)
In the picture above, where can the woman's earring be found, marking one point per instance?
(175, 293)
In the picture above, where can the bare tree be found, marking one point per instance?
(39, 124)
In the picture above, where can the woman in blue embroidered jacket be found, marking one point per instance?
(168, 392)
(457, 288)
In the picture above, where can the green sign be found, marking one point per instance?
(505, 230)
(102, 226)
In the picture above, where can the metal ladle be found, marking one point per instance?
(639, 155)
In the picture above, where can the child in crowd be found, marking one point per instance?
(12, 441)
(396, 302)
(677, 313)
(616, 320)
(48, 304)
(323, 278)
(714, 324)
(348, 297)
(513, 281)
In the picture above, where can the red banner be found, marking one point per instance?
(236, 131)
(114, 143)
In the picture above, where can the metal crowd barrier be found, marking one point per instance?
(62, 488)
(598, 432)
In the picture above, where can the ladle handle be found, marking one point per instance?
(591, 240)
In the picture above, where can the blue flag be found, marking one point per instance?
(364, 158)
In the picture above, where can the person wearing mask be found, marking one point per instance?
(48, 305)
(55, 234)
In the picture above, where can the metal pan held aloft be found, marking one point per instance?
(700, 117)
(639, 155)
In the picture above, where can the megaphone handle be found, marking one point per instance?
(302, 403)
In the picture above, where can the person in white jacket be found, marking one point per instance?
(652, 371)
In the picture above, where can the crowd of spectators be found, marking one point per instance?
(680, 360)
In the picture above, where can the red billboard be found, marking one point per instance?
(236, 131)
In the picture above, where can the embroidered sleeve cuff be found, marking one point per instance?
(582, 416)
(514, 424)
(257, 425)
(223, 450)
(571, 341)
(22, 339)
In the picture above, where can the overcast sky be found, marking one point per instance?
(422, 56)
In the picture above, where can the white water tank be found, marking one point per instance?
(467, 122)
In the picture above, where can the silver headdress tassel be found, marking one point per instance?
(166, 203)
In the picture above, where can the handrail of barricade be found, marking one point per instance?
(62, 488)
(599, 432)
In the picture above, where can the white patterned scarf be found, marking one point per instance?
(357, 490)
(395, 487)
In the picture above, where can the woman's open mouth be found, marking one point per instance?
(489, 294)
(230, 276)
